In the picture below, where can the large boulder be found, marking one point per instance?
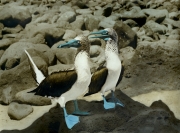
(17, 49)
(155, 60)
(126, 36)
(11, 15)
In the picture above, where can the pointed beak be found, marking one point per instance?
(103, 35)
(71, 43)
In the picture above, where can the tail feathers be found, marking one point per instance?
(37, 74)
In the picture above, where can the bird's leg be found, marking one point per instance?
(71, 120)
(77, 111)
(116, 100)
(108, 105)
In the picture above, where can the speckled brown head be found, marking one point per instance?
(81, 42)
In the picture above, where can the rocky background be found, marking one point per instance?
(149, 44)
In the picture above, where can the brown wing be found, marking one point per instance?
(57, 83)
(97, 81)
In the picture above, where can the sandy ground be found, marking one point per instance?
(7, 124)
(171, 98)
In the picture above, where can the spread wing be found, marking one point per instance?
(57, 83)
(97, 81)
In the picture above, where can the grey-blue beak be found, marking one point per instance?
(71, 43)
(104, 34)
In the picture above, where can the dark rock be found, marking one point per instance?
(19, 111)
(126, 36)
(134, 117)
(155, 60)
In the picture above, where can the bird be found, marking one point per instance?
(68, 85)
(108, 77)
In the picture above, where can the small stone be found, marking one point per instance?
(19, 111)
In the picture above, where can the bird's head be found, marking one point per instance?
(81, 42)
(106, 33)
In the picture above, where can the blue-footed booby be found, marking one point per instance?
(67, 85)
(107, 78)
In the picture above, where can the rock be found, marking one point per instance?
(65, 56)
(97, 54)
(135, 14)
(126, 36)
(38, 39)
(51, 32)
(68, 16)
(17, 49)
(11, 63)
(51, 57)
(91, 23)
(65, 8)
(69, 34)
(131, 23)
(174, 15)
(6, 95)
(78, 23)
(1, 53)
(157, 15)
(175, 24)
(107, 23)
(29, 98)
(19, 111)
(5, 43)
(156, 28)
(155, 60)
(12, 15)
(17, 29)
(126, 54)
(83, 11)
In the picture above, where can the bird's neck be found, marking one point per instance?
(82, 64)
(111, 46)
(112, 56)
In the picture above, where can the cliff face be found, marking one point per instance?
(149, 45)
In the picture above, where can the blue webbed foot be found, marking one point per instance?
(116, 100)
(79, 112)
(108, 105)
(71, 120)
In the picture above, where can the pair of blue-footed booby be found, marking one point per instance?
(107, 78)
(67, 85)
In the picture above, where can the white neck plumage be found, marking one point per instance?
(112, 56)
(82, 65)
